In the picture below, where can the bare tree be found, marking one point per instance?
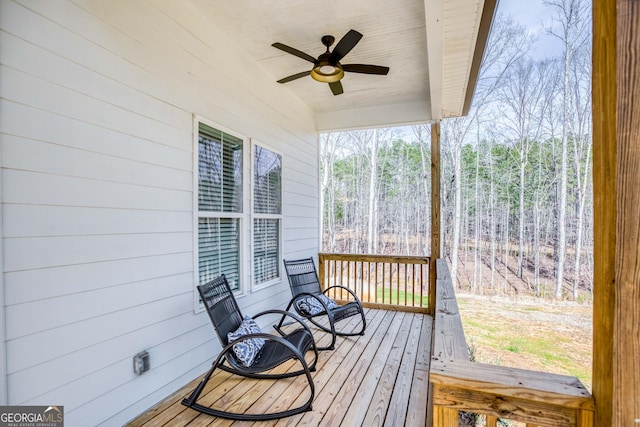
(581, 94)
(372, 240)
(422, 133)
(572, 30)
(522, 97)
(328, 148)
(507, 43)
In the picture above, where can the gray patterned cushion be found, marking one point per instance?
(311, 306)
(246, 350)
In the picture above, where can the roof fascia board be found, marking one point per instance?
(484, 29)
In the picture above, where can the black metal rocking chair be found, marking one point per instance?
(305, 287)
(244, 359)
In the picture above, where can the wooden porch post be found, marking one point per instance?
(616, 180)
(435, 213)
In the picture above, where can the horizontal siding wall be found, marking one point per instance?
(3, 348)
(97, 108)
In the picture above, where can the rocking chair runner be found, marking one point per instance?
(304, 283)
(227, 318)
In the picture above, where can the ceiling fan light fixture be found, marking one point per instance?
(327, 73)
(327, 68)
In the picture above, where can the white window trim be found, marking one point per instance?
(244, 216)
(254, 286)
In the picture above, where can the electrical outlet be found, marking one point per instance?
(141, 362)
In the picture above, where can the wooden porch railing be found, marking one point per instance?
(535, 398)
(380, 281)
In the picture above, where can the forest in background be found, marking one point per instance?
(516, 172)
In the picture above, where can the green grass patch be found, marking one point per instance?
(549, 350)
(476, 324)
(401, 298)
(512, 348)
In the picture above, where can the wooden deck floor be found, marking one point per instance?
(380, 378)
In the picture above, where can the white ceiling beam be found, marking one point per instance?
(434, 16)
(372, 117)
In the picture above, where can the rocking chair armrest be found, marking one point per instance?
(346, 289)
(286, 313)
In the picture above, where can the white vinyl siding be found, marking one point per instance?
(97, 196)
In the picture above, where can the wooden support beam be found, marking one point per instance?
(604, 203)
(435, 213)
(445, 417)
(616, 176)
(626, 396)
(537, 398)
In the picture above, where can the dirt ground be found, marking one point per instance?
(531, 333)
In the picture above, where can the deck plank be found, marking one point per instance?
(356, 413)
(417, 408)
(380, 378)
(365, 373)
(330, 361)
(333, 377)
(382, 397)
(398, 406)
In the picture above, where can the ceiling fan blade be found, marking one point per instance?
(294, 51)
(294, 76)
(336, 87)
(344, 46)
(366, 69)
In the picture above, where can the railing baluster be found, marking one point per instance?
(332, 273)
(491, 421)
(397, 283)
(357, 272)
(352, 284)
(337, 276)
(421, 284)
(361, 280)
(375, 281)
(368, 281)
(413, 285)
(406, 280)
(384, 265)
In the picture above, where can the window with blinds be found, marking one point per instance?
(267, 214)
(219, 205)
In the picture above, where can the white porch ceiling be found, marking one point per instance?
(430, 55)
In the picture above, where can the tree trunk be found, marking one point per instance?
(506, 249)
(457, 212)
(492, 217)
(523, 164)
(562, 210)
(476, 246)
(536, 245)
(580, 220)
(373, 197)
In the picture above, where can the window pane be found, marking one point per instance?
(267, 181)
(266, 241)
(219, 171)
(219, 249)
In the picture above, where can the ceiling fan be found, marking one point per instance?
(327, 67)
